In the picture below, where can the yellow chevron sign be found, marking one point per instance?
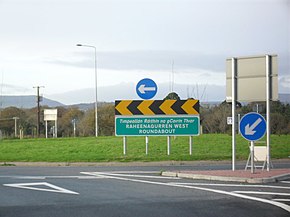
(122, 107)
(157, 107)
(144, 107)
(166, 107)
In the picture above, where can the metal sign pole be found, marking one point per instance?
(190, 145)
(268, 96)
(234, 88)
(252, 157)
(124, 145)
(146, 141)
(46, 129)
(55, 135)
(74, 122)
(168, 144)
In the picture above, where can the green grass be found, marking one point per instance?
(106, 149)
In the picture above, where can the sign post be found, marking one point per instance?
(124, 145)
(147, 144)
(269, 95)
(234, 96)
(252, 149)
(252, 128)
(252, 79)
(168, 145)
(190, 145)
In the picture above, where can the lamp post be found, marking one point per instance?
(96, 85)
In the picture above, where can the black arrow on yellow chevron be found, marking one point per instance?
(166, 107)
(157, 107)
(121, 107)
(144, 107)
(188, 107)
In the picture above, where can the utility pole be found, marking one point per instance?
(38, 109)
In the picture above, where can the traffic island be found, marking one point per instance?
(260, 176)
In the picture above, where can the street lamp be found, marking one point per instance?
(96, 84)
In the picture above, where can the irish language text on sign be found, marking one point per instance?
(157, 126)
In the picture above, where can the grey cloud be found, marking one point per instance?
(159, 60)
(7, 88)
(184, 61)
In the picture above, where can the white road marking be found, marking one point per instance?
(50, 177)
(70, 177)
(132, 172)
(233, 185)
(262, 192)
(52, 188)
(142, 176)
(110, 176)
(29, 177)
(287, 182)
(282, 200)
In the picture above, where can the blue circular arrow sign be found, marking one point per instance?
(253, 126)
(146, 88)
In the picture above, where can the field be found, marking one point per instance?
(108, 149)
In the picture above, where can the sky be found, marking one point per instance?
(135, 39)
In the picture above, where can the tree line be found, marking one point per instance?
(213, 119)
(84, 121)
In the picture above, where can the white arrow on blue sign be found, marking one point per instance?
(146, 88)
(253, 126)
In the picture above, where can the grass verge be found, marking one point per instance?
(108, 149)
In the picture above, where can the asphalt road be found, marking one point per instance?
(132, 191)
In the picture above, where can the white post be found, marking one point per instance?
(15, 126)
(190, 144)
(239, 120)
(46, 129)
(146, 141)
(168, 144)
(268, 95)
(74, 122)
(124, 145)
(55, 135)
(252, 157)
(234, 89)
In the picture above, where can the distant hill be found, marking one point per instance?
(26, 102)
(83, 106)
(30, 102)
